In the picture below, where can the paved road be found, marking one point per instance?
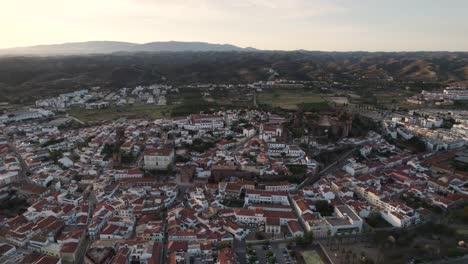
(166, 237)
(331, 167)
(279, 250)
(261, 253)
(241, 251)
(76, 119)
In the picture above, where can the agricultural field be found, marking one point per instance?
(113, 113)
(339, 100)
(289, 99)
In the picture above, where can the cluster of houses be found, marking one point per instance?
(80, 188)
(188, 188)
(95, 98)
(10, 167)
(389, 188)
(25, 115)
(431, 127)
(443, 97)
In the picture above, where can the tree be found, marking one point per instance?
(55, 155)
(201, 146)
(260, 236)
(324, 208)
(465, 213)
(299, 241)
(108, 150)
(289, 245)
(180, 158)
(417, 144)
(309, 236)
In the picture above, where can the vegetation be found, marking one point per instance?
(423, 244)
(128, 158)
(291, 99)
(24, 79)
(297, 169)
(237, 203)
(459, 215)
(305, 240)
(13, 207)
(108, 150)
(456, 252)
(417, 144)
(55, 155)
(314, 107)
(259, 235)
(324, 208)
(311, 257)
(362, 125)
(183, 159)
(461, 166)
(438, 229)
(377, 221)
(416, 202)
(457, 105)
(51, 142)
(201, 146)
(191, 104)
(116, 112)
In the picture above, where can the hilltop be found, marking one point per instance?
(106, 47)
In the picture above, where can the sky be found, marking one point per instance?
(328, 25)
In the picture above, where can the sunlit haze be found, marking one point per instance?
(342, 25)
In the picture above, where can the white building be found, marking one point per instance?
(345, 221)
(248, 132)
(25, 115)
(355, 168)
(159, 158)
(400, 219)
(404, 133)
(266, 197)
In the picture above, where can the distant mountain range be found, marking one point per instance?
(105, 47)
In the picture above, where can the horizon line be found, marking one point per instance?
(213, 43)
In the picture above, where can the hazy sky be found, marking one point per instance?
(343, 25)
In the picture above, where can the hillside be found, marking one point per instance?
(34, 77)
(106, 47)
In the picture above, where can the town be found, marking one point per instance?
(224, 186)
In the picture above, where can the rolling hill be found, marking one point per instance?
(26, 78)
(106, 47)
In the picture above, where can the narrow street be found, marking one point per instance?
(328, 169)
(22, 176)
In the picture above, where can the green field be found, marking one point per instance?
(112, 113)
(289, 99)
(462, 231)
(311, 257)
